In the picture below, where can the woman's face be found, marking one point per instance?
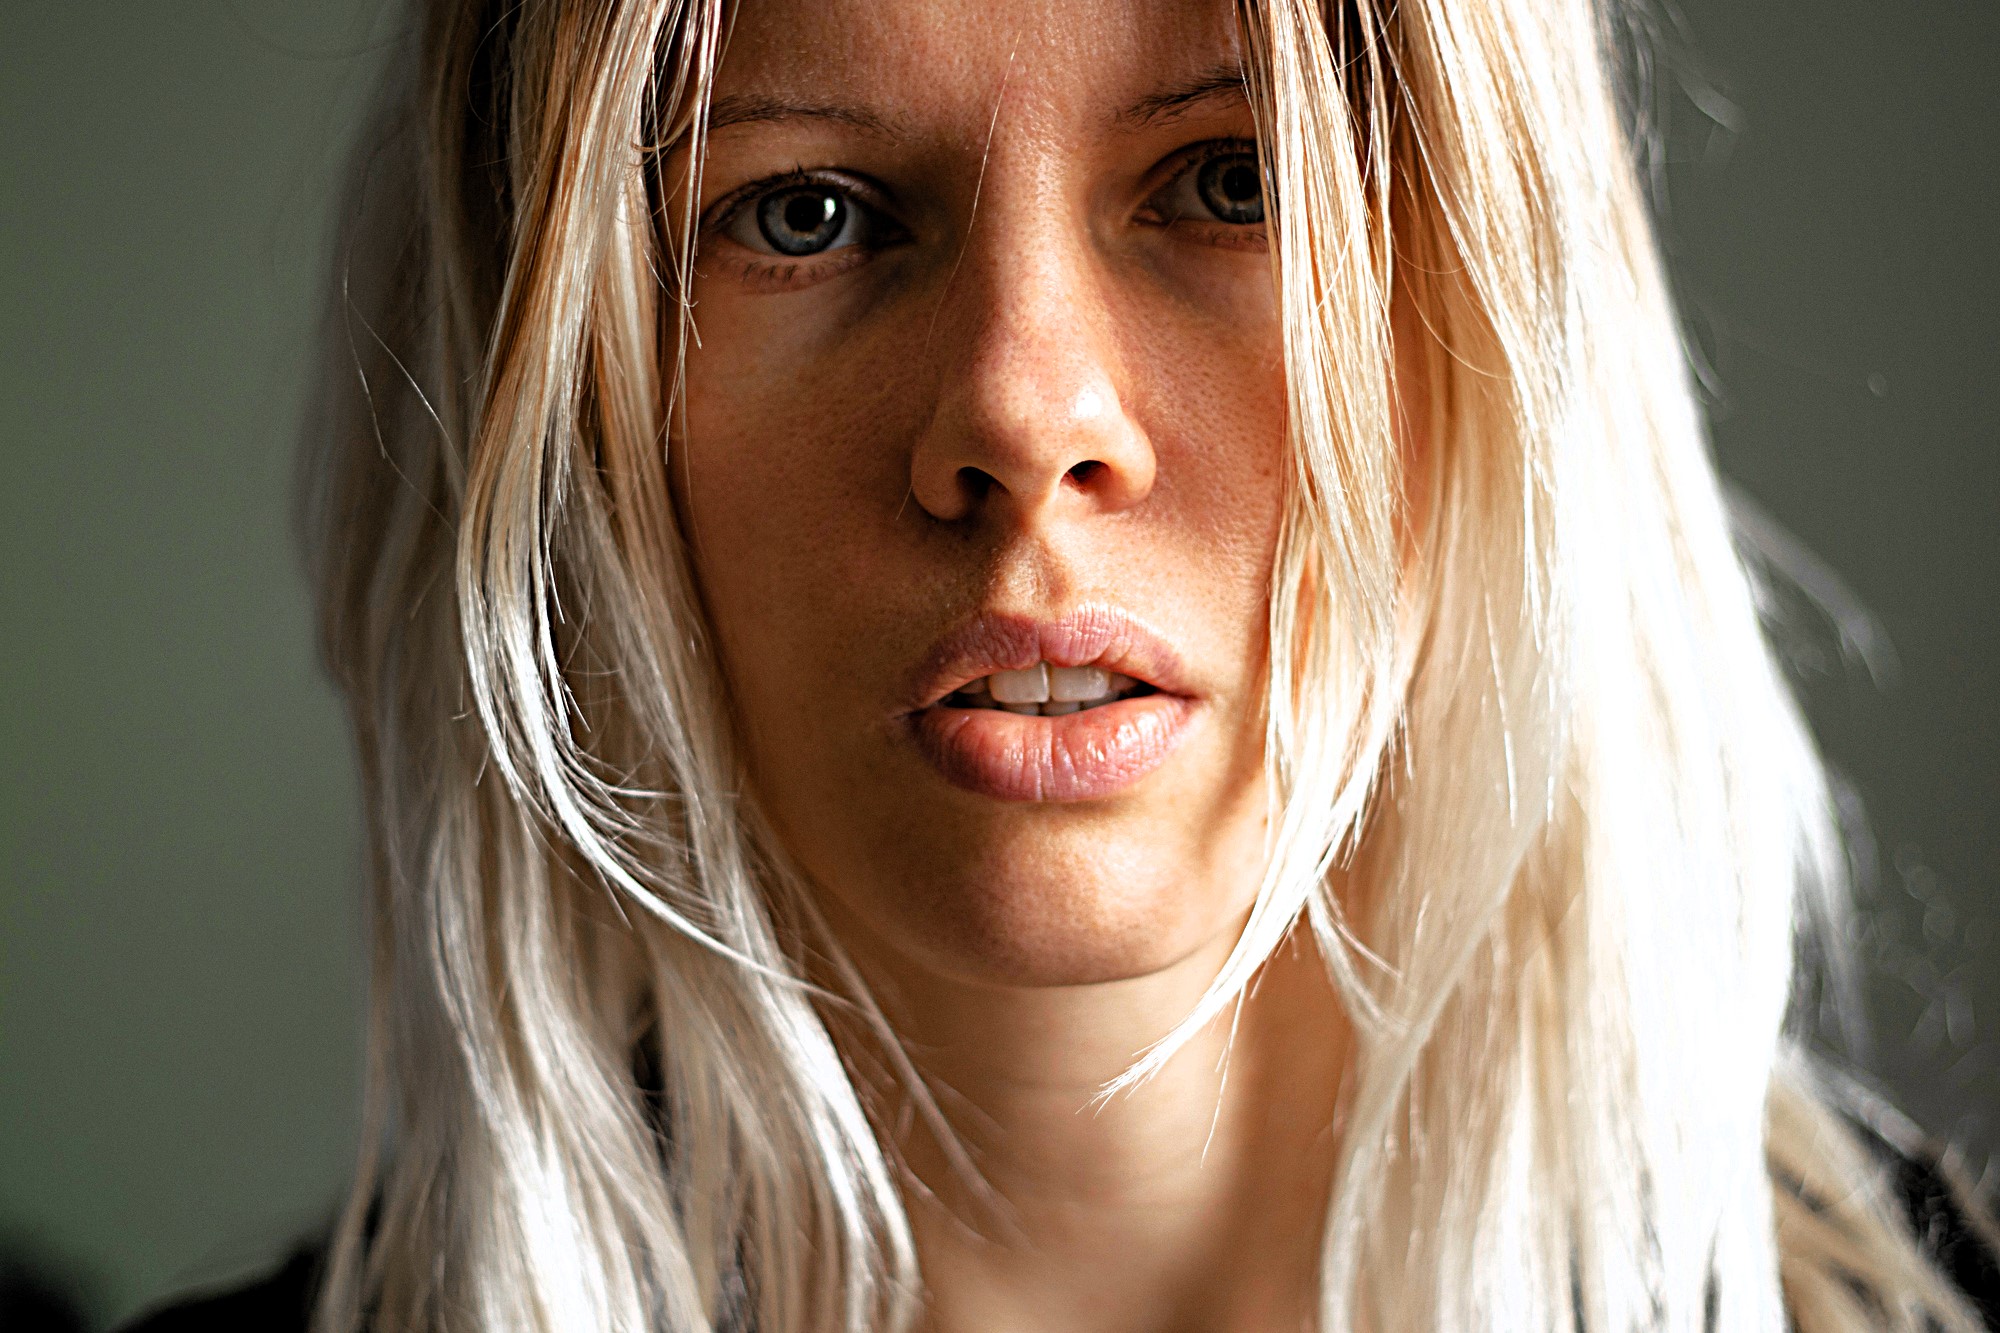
(987, 405)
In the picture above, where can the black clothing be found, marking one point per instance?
(1947, 1235)
(279, 1303)
(282, 1302)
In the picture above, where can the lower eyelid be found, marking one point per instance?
(756, 267)
(1238, 236)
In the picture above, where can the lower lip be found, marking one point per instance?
(1074, 757)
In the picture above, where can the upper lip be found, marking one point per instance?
(1099, 636)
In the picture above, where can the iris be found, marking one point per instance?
(802, 221)
(1231, 189)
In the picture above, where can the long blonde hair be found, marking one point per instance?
(1572, 807)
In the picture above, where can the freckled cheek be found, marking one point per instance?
(791, 421)
(1220, 399)
(785, 474)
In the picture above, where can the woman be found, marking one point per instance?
(1064, 667)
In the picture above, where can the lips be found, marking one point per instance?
(1028, 754)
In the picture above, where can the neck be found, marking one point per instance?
(1191, 1202)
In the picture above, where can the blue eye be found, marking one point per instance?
(1232, 188)
(804, 221)
(1226, 187)
(798, 219)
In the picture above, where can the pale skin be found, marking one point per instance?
(1033, 370)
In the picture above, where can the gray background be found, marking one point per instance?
(180, 974)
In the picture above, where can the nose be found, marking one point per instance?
(1033, 418)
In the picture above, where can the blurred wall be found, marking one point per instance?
(179, 948)
(1830, 222)
(180, 973)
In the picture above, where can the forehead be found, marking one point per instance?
(930, 64)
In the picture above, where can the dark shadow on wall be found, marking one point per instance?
(40, 1293)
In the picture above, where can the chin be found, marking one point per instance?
(920, 870)
(1046, 898)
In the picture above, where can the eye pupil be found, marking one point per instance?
(1232, 188)
(804, 221)
(807, 213)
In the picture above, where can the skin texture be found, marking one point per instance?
(1045, 385)
(880, 446)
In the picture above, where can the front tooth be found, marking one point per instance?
(1026, 710)
(1074, 685)
(1027, 686)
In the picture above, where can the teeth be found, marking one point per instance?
(1076, 684)
(1028, 686)
(1045, 691)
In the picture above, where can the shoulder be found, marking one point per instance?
(279, 1302)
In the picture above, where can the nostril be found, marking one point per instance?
(974, 482)
(1086, 471)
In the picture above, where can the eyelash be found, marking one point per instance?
(775, 271)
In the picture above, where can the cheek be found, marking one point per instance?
(777, 479)
(1214, 391)
(771, 436)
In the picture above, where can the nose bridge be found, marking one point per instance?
(1034, 332)
(1032, 392)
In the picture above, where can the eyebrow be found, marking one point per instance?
(748, 110)
(1215, 83)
